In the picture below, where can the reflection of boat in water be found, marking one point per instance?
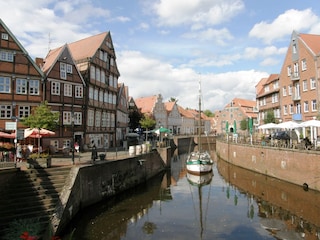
(199, 162)
(200, 181)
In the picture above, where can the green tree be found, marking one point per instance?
(244, 124)
(147, 122)
(42, 117)
(270, 117)
(208, 113)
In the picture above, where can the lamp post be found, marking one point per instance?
(72, 130)
(16, 131)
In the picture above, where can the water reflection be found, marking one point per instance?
(286, 210)
(235, 203)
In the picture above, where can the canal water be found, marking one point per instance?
(232, 203)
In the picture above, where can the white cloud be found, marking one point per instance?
(147, 76)
(216, 36)
(199, 12)
(284, 24)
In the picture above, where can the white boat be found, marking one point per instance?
(199, 162)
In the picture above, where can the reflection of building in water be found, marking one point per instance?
(297, 209)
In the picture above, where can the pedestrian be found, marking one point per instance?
(19, 153)
(93, 151)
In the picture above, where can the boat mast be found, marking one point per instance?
(199, 122)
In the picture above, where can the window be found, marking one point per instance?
(21, 86)
(304, 64)
(23, 111)
(96, 95)
(6, 56)
(291, 108)
(98, 119)
(289, 71)
(92, 72)
(90, 118)
(79, 91)
(63, 71)
(284, 91)
(4, 36)
(69, 68)
(290, 90)
(101, 96)
(312, 83)
(34, 87)
(285, 110)
(5, 85)
(276, 85)
(314, 105)
(98, 74)
(67, 90)
(275, 98)
(304, 85)
(296, 70)
(90, 93)
(298, 108)
(266, 88)
(306, 106)
(5, 111)
(104, 119)
(55, 88)
(66, 118)
(66, 143)
(78, 118)
(294, 48)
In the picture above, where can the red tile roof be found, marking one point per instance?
(146, 104)
(312, 41)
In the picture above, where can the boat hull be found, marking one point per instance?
(199, 163)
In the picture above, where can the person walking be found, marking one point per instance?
(94, 154)
(19, 153)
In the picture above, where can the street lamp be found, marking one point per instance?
(72, 130)
(14, 117)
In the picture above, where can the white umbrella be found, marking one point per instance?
(268, 126)
(311, 123)
(289, 125)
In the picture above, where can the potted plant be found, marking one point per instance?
(42, 160)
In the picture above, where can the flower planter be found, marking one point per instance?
(40, 163)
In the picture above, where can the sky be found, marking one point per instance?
(168, 46)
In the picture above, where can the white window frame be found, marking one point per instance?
(67, 90)
(90, 117)
(5, 111)
(5, 85)
(284, 91)
(21, 86)
(289, 71)
(97, 119)
(23, 111)
(312, 83)
(4, 36)
(55, 88)
(78, 91)
(304, 85)
(34, 87)
(289, 90)
(6, 56)
(63, 70)
(285, 110)
(314, 105)
(78, 118)
(69, 68)
(66, 118)
(303, 65)
(306, 106)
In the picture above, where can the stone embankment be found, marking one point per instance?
(301, 167)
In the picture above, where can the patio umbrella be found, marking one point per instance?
(269, 126)
(37, 133)
(7, 135)
(311, 123)
(289, 125)
(162, 130)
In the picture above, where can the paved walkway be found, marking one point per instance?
(85, 157)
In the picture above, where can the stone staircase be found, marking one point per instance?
(31, 195)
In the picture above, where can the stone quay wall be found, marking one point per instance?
(301, 167)
(90, 184)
